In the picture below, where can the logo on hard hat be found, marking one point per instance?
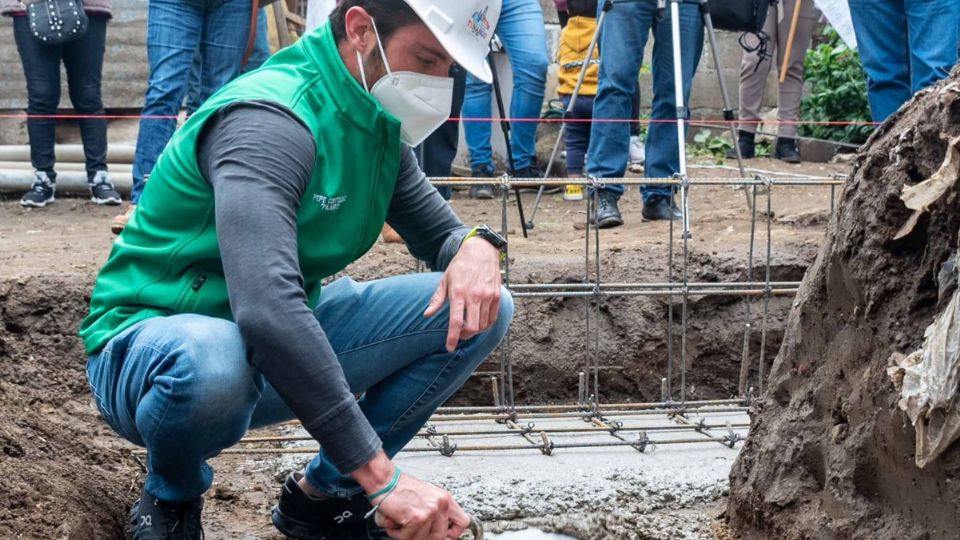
(478, 23)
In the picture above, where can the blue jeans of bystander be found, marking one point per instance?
(904, 45)
(176, 30)
(623, 38)
(525, 41)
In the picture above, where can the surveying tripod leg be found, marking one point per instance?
(505, 126)
(728, 115)
(607, 6)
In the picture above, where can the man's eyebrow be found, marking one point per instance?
(439, 53)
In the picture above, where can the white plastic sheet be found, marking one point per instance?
(928, 384)
(838, 13)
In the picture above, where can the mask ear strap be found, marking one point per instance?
(363, 77)
(383, 54)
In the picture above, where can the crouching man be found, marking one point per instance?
(208, 319)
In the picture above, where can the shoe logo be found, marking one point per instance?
(329, 204)
(343, 517)
(146, 521)
(478, 25)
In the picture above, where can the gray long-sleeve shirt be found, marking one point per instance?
(259, 157)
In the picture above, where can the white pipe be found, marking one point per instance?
(73, 153)
(18, 180)
(113, 168)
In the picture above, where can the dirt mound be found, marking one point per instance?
(829, 454)
(62, 473)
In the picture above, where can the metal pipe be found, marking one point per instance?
(631, 181)
(689, 405)
(653, 285)
(73, 153)
(667, 292)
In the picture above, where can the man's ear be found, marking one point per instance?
(359, 30)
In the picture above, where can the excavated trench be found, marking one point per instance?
(64, 474)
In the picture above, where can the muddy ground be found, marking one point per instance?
(63, 473)
(829, 454)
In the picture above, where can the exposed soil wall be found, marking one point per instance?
(829, 454)
(62, 474)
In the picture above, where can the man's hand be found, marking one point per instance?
(414, 510)
(472, 286)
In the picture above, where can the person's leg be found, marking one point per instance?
(437, 152)
(881, 29)
(226, 30)
(525, 41)
(173, 34)
(754, 69)
(576, 136)
(931, 25)
(41, 69)
(476, 127)
(83, 60)
(622, 39)
(180, 386)
(193, 100)
(393, 355)
(663, 154)
(791, 89)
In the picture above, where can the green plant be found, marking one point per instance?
(762, 149)
(706, 144)
(838, 92)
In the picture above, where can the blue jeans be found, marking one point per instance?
(82, 59)
(576, 136)
(622, 40)
(258, 55)
(181, 385)
(525, 41)
(904, 45)
(176, 30)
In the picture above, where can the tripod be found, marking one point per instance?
(505, 126)
(682, 111)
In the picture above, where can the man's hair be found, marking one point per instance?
(389, 15)
(582, 8)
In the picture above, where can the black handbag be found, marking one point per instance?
(739, 15)
(57, 21)
(745, 16)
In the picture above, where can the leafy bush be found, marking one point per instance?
(838, 91)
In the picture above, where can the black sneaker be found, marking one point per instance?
(42, 191)
(482, 192)
(607, 214)
(153, 519)
(747, 143)
(102, 191)
(661, 208)
(298, 515)
(787, 151)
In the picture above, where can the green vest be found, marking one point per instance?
(167, 260)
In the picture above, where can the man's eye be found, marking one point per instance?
(426, 62)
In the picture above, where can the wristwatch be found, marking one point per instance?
(489, 235)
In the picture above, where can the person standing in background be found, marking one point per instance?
(905, 45)
(524, 37)
(83, 60)
(572, 54)
(622, 40)
(754, 69)
(176, 30)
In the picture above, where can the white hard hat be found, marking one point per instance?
(464, 28)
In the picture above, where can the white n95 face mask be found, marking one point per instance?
(420, 102)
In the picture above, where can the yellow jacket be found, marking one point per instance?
(574, 42)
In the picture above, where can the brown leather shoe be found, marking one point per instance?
(119, 222)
